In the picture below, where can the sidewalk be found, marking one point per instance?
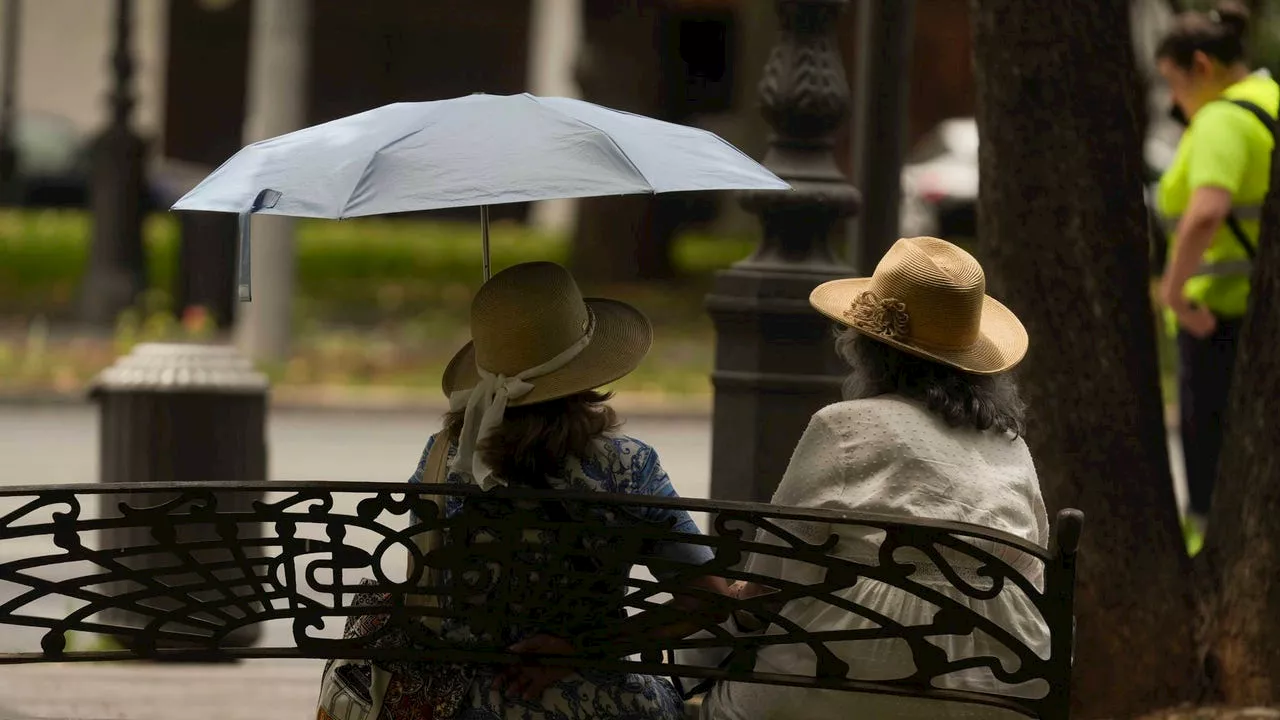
(251, 690)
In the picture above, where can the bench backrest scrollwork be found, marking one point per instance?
(254, 570)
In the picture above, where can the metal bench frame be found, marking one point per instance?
(223, 557)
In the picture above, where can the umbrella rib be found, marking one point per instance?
(342, 214)
(703, 131)
(618, 147)
(738, 150)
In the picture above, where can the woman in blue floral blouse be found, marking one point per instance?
(525, 412)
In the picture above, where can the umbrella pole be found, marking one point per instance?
(484, 229)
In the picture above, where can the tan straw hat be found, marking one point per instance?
(928, 298)
(533, 315)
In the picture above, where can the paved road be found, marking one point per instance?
(52, 444)
(60, 444)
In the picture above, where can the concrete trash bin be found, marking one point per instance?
(176, 413)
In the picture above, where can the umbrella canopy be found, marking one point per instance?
(476, 150)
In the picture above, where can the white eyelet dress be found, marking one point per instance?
(892, 456)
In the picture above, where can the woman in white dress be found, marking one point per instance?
(931, 428)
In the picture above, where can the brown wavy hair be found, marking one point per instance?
(534, 440)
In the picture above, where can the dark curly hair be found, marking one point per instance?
(1220, 34)
(984, 402)
(534, 440)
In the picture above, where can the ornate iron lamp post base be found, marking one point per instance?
(775, 365)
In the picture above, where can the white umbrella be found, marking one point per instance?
(478, 150)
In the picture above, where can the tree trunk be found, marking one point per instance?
(624, 238)
(1063, 234)
(279, 49)
(1243, 547)
(206, 265)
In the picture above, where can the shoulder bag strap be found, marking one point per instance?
(435, 473)
(1242, 238)
(1263, 116)
(1233, 222)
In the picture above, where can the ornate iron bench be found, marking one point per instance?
(205, 571)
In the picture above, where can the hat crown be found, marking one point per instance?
(942, 288)
(526, 315)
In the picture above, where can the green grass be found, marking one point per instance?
(378, 301)
(394, 266)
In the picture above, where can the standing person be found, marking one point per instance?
(931, 428)
(1212, 196)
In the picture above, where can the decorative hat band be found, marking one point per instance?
(886, 317)
(486, 404)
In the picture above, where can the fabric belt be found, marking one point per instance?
(1226, 268)
(1223, 268)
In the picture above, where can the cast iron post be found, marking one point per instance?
(885, 30)
(116, 272)
(775, 364)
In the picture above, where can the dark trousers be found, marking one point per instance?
(1204, 385)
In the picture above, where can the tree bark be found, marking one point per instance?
(206, 71)
(1063, 235)
(206, 265)
(625, 238)
(1243, 547)
(279, 49)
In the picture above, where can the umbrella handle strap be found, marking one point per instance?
(244, 270)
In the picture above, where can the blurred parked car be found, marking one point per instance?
(940, 179)
(52, 164)
(940, 182)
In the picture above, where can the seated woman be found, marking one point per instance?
(931, 428)
(525, 413)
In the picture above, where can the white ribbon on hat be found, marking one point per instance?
(486, 404)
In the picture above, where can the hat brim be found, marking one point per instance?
(1002, 340)
(621, 339)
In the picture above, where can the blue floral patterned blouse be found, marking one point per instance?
(619, 464)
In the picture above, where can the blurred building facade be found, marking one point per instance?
(63, 46)
(192, 62)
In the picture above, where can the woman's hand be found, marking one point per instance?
(744, 589)
(1197, 321)
(530, 681)
(1208, 208)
